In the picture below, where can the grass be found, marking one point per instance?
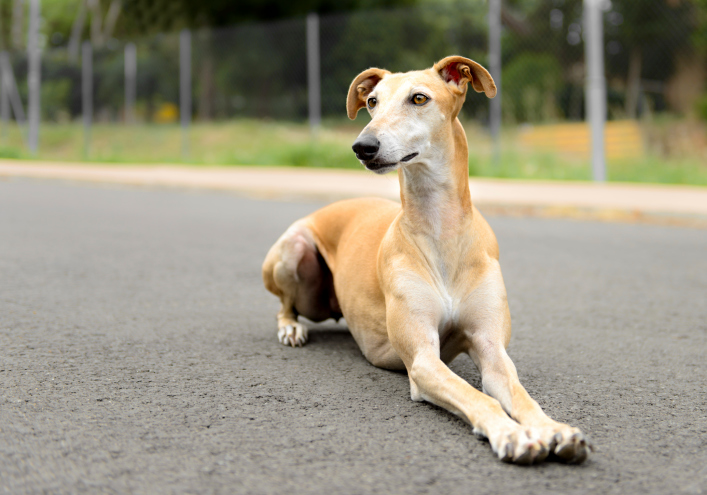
(248, 142)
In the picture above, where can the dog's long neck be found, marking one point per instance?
(435, 195)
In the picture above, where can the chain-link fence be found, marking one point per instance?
(654, 63)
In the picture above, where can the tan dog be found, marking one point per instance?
(418, 283)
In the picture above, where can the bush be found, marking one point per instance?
(701, 107)
(530, 83)
(55, 96)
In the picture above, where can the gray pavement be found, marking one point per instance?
(139, 354)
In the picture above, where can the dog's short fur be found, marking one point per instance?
(419, 282)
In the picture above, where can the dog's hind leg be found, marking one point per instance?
(295, 272)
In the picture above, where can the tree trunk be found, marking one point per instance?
(76, 31)
(633, 82)
(111, 19)
(96, 22)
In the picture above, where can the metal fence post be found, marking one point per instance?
(33, 76)
(86, 93)
(130, 60)
(495, 69)
(11, 95)
(185, 105)
(596, 83)
(313, 77)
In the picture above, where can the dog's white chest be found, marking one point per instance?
(449, 310)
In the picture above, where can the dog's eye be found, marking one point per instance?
(372, 102)
(419, 99)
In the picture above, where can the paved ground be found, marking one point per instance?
(139, 355)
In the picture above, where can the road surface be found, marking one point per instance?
(139, 355)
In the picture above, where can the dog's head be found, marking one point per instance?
(410, 111)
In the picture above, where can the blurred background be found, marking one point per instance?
(216, 82)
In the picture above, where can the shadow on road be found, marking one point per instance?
(331, 336)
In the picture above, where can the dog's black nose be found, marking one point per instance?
(366, 147)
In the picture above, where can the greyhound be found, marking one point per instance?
(418, 283)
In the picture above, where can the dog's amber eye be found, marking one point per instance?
(419, 99)
(372, 102)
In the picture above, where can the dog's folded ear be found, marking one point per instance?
(457, 71)
(360, 88)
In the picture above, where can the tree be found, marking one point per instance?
(147, 16)
(100, 31)
(639, 27)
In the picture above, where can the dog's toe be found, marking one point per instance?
(573, 448)
(294, 334)
(521, 447)
(566, 443)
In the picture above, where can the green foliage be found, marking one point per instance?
(530, 83)
(259, 70)
(149, 16)
(657, 29)
(699, 36)
(399, 40)
(58, 17)
(266, 80)
(55, 93)
(701, 107)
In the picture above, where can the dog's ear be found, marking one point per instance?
(457, 71)
(360, 88)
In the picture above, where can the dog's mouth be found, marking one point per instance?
(379, 167)
(382, 166)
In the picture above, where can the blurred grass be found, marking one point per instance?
(248, 142)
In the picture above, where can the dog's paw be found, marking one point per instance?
(566, 443)
(519, 445)
(293, 334)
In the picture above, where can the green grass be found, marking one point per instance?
(517, 164)
(248, 142)
(231, 143)
(684, 170)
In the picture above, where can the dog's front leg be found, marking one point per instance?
(413, 333)
(500, 380)
(486, 321)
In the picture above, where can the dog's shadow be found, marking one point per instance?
(330, 335)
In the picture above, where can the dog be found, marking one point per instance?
(419, 282)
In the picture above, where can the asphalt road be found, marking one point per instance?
(139, 354)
